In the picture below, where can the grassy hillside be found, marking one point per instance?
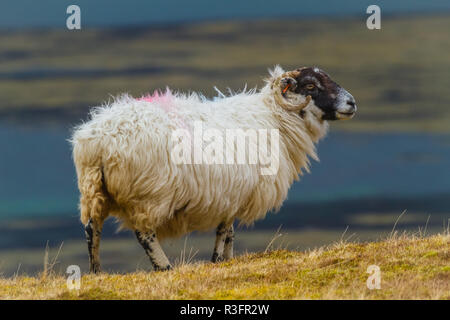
(411, 268)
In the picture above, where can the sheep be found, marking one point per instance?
(124, 168)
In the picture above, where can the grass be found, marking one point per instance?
(412, 267)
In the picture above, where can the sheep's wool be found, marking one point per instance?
(122, 158)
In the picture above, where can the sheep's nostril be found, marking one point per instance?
(352, 104)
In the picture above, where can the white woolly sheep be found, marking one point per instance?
(123, 159)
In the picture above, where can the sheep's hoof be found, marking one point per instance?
(166, 268)
(95, 269)
(216, 258)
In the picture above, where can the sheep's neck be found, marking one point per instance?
(298, 142)
(317, 127)
(298, 134)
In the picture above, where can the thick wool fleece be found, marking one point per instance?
(122, 158)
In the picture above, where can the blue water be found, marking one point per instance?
(37, 177)
(52, 13)
(377, 165)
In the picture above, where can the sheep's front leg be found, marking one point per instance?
(151, 245)
(93, 230)
(222, 234)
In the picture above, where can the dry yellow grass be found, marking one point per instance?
(411, 268)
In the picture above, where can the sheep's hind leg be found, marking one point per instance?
(222, 233)
(228, 247)
(151, 245)
(93, 230)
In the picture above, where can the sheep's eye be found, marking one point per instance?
(310, 86)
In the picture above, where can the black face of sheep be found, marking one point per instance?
(333, 100)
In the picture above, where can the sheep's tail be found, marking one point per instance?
(94, 198)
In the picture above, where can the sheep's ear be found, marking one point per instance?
(287, 83)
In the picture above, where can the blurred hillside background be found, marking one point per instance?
(393, 156)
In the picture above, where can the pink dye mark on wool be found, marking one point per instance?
(164, 100)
